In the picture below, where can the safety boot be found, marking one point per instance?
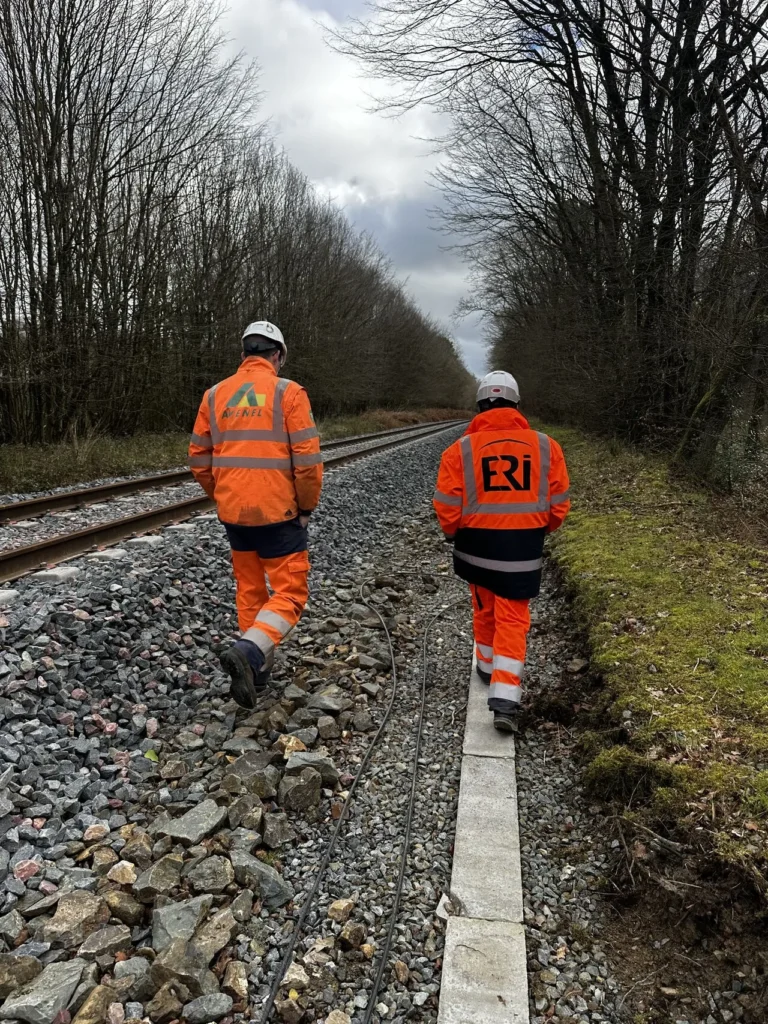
(485, 677)
(244, 664)
(506, 721)
(262, 677)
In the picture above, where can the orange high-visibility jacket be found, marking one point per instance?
(255, 449)
(500, 489)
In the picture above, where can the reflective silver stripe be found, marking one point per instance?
(557, 498)
(200, 460)
(271, 618)
(250, 462)
(494, 563)
(303, 435)
(200, 441)
(446, 499)
(214, 424)
(308, 460)
(544, 459)
(510, 508)
(483, 649)
(253, 434)
(470, 489)
(262, 641)
(506, 691)
(504, 664)
(278, 416)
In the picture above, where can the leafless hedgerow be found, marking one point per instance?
(607, 167)
(145, 217)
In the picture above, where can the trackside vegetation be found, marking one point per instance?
(675, 610)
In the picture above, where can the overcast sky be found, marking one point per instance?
(375, 167)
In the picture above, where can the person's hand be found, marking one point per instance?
(303, 522)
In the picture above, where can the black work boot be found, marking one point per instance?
(485, 677)
(506, 721)
(262, 677)
(244, 664)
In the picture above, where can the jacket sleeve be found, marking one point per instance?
(558, 487)
(305, 449)
(201, 449)
(449, 494)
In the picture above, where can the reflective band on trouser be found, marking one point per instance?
(308, 460)
(200, 460)
(512, 692)
(250, 462)
(503, 664)
(484, 654)
(262, 641)
(303, 435)
(446, 499)
(500, 566)
(276, 621)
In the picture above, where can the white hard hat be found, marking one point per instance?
(498, 384)
(264, 329)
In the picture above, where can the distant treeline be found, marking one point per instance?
(607, 164)
(145, 218)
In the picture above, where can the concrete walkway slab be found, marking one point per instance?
(480, 738)
(484, 977)
(486, 875)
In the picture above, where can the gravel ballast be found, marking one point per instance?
(157, 844)
(126, 789)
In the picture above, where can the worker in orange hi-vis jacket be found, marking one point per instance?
(256, 451)
(500, 489)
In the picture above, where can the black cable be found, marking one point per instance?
(408, 819)
(269, 1005)
(275, 987)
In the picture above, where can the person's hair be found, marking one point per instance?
(498, 403)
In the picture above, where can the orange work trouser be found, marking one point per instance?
(263, 618)
(501, 627)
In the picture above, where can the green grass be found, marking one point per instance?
(26, 467)
(37, 467)
(674, 610)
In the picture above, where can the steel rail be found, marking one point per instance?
(16, 562)
(31, 507)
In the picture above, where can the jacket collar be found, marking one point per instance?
(257, 363)
(498, 419)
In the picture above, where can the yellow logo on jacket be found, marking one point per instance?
(246, 398)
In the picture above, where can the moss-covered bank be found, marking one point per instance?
(675, 611)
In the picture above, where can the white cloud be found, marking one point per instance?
(375, 167)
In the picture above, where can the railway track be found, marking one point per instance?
(86, 495)
(16, 562)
